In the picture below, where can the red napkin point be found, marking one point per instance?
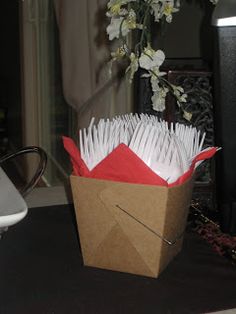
(79, 166)
(125, 166)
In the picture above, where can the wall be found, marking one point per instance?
(190, 33)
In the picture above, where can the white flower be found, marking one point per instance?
(133, 67)
(113, 3)
(131, 19)
(114, 28)
(122, 12)
(179, 93)
(182, 98)
(159, 99)
(114, 6)
(121, 25)
(150, 59)
(187, 115)
(119, 53)
(155, 82)
(165, 8)
(177, 89)
(168, 9)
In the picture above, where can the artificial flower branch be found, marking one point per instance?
(127, 16)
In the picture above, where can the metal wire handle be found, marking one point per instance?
(169, 242)
(39, 171)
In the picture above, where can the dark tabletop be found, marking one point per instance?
(41, 271)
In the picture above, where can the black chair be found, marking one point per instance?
(39, 171)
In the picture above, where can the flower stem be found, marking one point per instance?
(145, 22)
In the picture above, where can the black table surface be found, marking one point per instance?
(42, 272)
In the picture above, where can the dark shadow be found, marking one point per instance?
(206, 31)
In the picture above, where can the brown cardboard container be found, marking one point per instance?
(131, 228)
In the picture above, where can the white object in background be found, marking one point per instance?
(12, 206)
(224, 14)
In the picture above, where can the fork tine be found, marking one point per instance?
(135, 137)
(149, 146)
(81, 146)
(163, 147)
(169, 151)
(142, 141)
(178, 150)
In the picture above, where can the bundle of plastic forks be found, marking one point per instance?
(167, 150)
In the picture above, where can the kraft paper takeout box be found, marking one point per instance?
(126, 227)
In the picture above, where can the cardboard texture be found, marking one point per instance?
(121, 225)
